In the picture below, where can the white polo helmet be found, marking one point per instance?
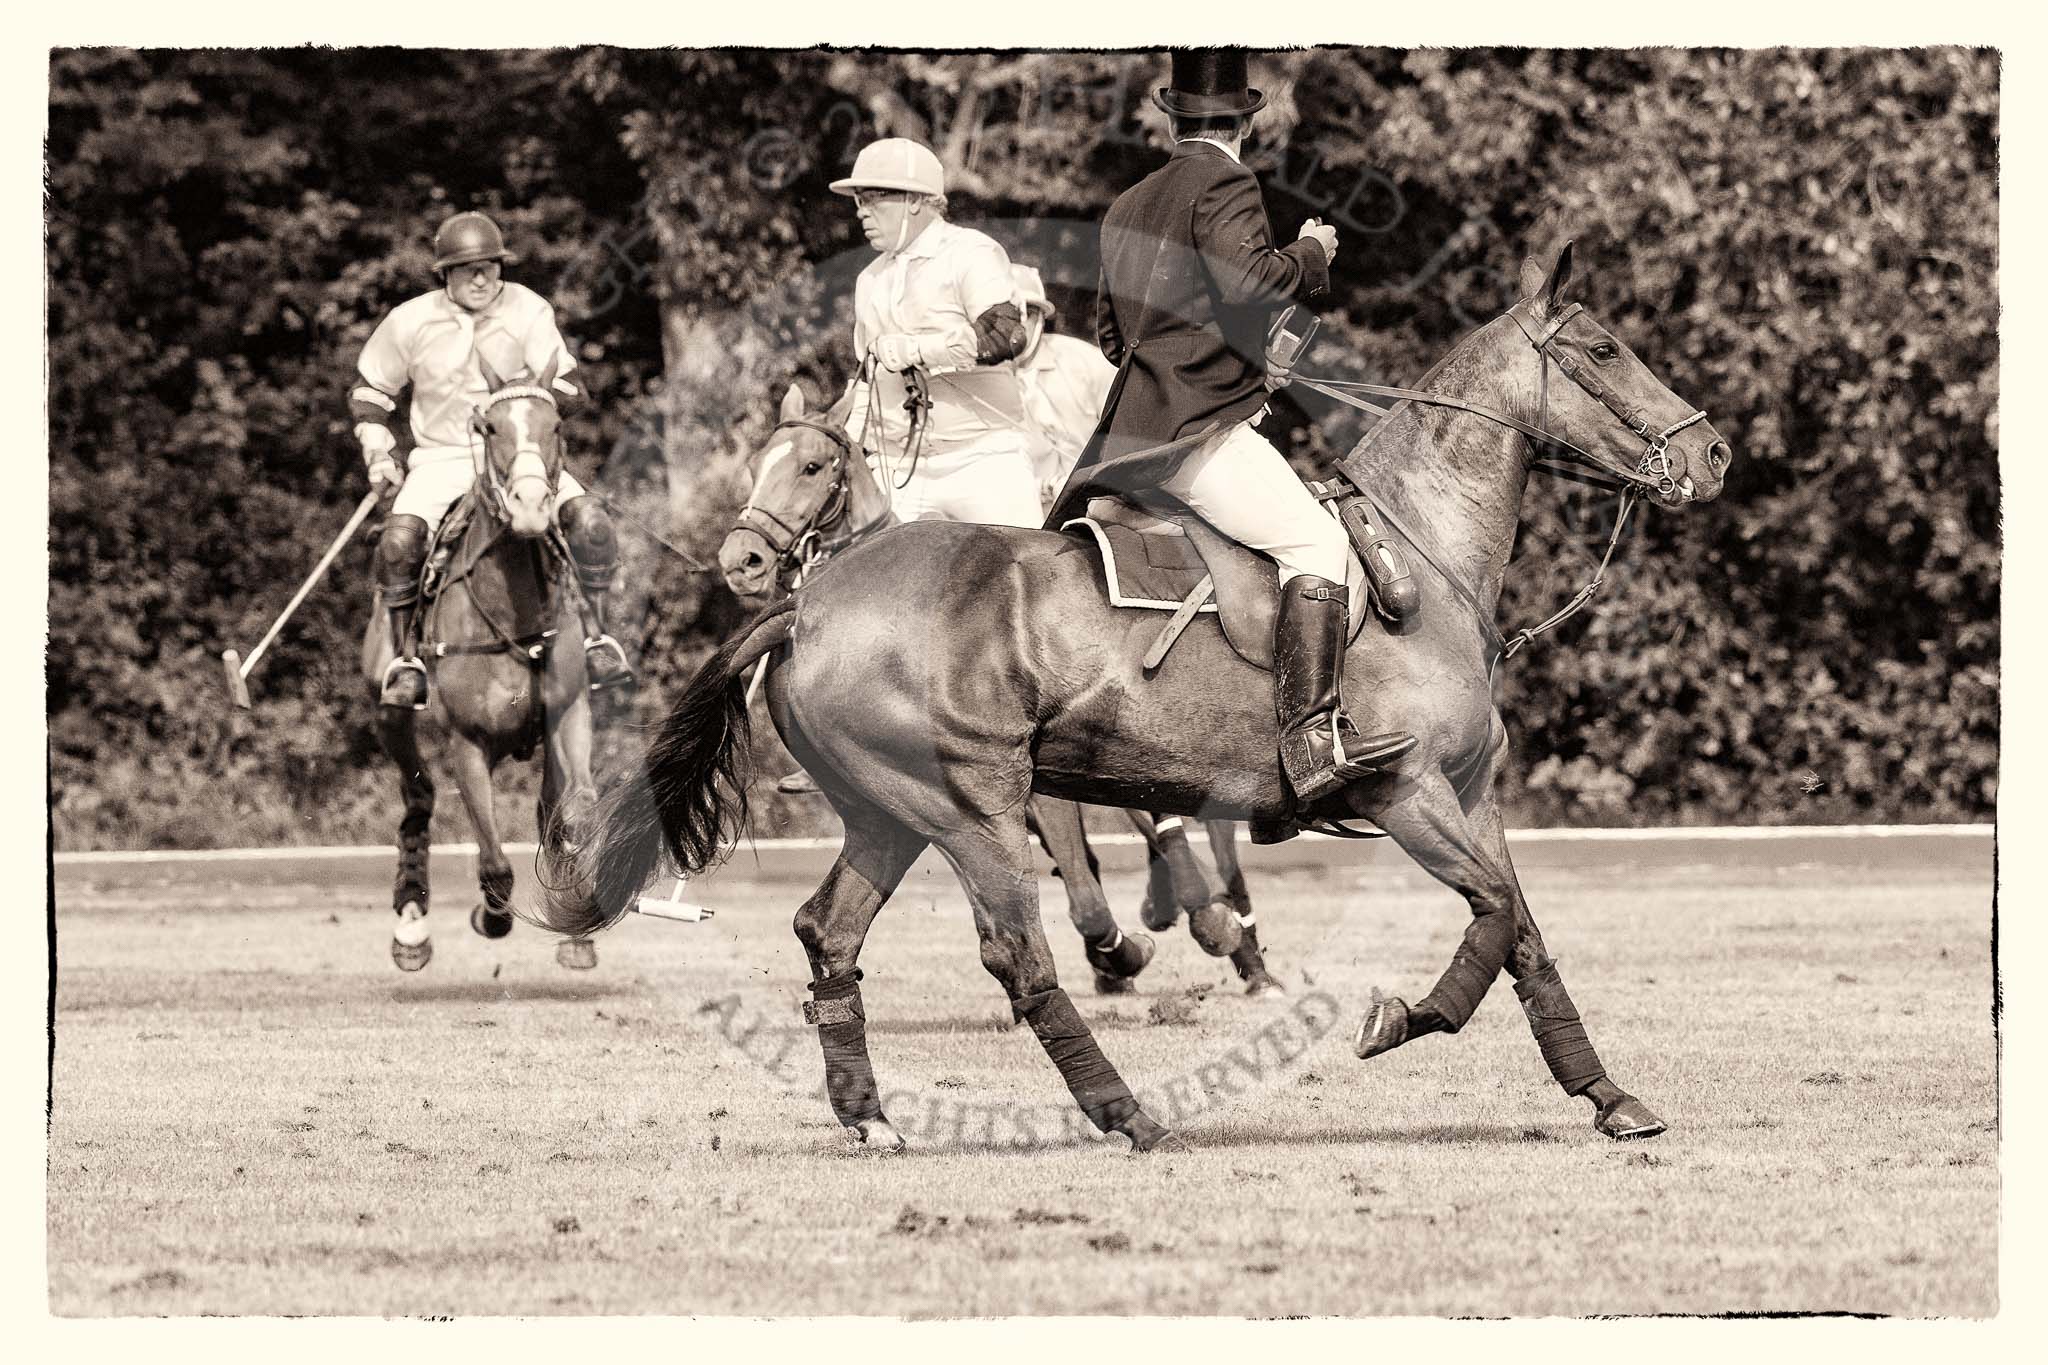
(894, 163)
(1031, 289)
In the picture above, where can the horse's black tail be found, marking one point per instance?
(689, 798)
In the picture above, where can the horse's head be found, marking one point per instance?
(521, 431)
(800, 493)
(1607, 403)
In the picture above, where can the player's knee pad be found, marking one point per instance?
(401, 553)
(593, 543)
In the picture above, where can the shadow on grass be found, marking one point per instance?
(571, 989)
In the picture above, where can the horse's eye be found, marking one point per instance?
(1604, 351)
(813, 467)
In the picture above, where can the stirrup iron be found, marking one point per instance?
(395, 670)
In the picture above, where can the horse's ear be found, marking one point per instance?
(1560, 278)
(491, 380)
(1532, 278)
(547, 376)
(792, 403)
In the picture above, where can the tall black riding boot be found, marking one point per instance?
(1320, 751)
(401, 554)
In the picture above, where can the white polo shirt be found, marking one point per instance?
(936, 287)
(432, 343)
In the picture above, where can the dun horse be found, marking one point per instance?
(813, 497)
(501, 685)
(951, 670)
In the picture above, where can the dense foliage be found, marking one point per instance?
(1802, 242)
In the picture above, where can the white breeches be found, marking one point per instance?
(989, 482)
(1243, 487)
(435, 476)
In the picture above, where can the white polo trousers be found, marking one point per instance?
(1246, 489)
(989, 482)
(435, 476)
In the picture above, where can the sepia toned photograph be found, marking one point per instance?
(1162, 681)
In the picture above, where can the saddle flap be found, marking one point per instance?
(1153, 562)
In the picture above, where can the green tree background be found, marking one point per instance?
(1804, 242)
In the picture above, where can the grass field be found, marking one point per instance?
(255, 1113)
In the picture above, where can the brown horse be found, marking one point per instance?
(813, 497)
(992, 666)
(500, 685)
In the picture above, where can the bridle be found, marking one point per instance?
(799, 546)
(1651, 473)
(497, 488)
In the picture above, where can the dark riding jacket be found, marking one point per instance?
(1189, 285)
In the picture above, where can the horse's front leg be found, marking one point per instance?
(568, 796)
(1468, 852)
(411, 945)
(492, 917)
(1115, 956)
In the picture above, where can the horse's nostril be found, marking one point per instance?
(1718, 456)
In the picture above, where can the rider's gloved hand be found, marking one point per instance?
(899, 351)
(1325, 235)
(379, 446)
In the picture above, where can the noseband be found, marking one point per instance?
(802, 544)
(499, 491)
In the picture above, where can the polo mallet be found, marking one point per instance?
(238, 668)
(673, 906)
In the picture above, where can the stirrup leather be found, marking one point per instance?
(396, 670)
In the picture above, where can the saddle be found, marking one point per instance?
(1170, 560)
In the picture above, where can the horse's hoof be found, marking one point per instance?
(1126, 959)
(411, 947)
(1158, 913)
(1628, 1118)
(1263, 985)
(578, 954)
(1105, 984)
(879, 1136)
(490, 923)
(1216, 928)
(1384, 1028)
(1149, 1136)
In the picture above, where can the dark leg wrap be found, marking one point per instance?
(413, 850)
(1477, 962)
(843, 1034)
(1066, 1038)
(1559, 1033)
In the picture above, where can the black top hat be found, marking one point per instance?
(1208, 82)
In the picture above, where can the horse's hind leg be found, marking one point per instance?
(995, 867)
(1115, 956)
(1176, 885)
(1469, 853)
(411, 946)
(1249, 959)
(832, 925)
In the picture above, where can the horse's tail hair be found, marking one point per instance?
(688, 799)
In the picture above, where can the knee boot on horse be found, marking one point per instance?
(401, 554)
(1320, 750)
(594, 549)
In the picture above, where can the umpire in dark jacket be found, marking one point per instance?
(1190, 283)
